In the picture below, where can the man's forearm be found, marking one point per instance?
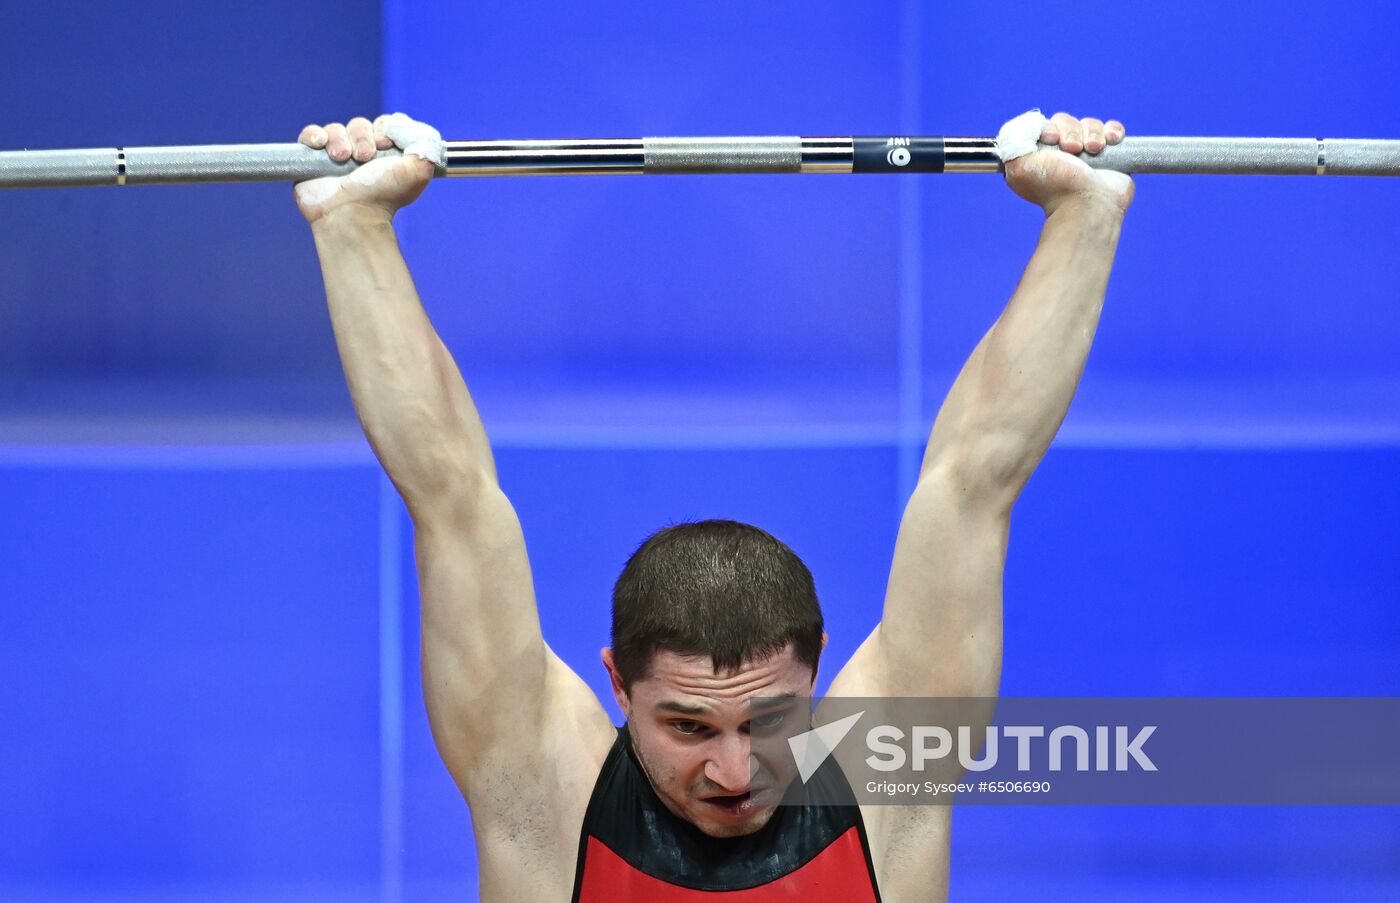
(1013, 392)
(407, 390)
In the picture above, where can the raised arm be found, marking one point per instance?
(940, 634)
(490, 682)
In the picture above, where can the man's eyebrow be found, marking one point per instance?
(681, 708)
(771, 702)
(767, 702)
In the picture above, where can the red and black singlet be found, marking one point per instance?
(634, 850)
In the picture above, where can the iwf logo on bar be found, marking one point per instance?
(898, 153)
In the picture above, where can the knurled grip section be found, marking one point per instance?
(1362, 157)
(1222, 156)
(168, 165)
(55, 168)
(719, 155)
(232, 163)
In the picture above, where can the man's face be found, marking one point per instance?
(690, 728)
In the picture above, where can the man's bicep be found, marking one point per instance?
(940, 631)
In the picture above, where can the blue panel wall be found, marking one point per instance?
(211, 648)
(1220, 277)
(184, 717)
(190, 700)
(675, 278)
(204, 284)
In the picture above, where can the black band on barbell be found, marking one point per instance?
(898, 155)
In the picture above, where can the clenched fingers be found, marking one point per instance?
(1065, 131)
(313, 136)
(360, 134)
(1077, 135)
(337, 142)
(1093, 134)
(381, 135)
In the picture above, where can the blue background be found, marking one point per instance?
(207, 606)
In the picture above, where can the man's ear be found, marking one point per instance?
(825, 639)
(619, 692)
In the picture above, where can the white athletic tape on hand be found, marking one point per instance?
(417, 138)
(1020, 136)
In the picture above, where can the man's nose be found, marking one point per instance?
(731, 764)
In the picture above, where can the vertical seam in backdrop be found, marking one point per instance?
(391, 653)
(391, 727)
(909, 328)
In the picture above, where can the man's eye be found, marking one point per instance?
(687, 727)
(766, 721)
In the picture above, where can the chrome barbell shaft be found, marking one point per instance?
(647, 156)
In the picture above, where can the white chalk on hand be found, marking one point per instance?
(417, 138)
(1020, 136)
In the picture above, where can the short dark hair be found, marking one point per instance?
(715, 587)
